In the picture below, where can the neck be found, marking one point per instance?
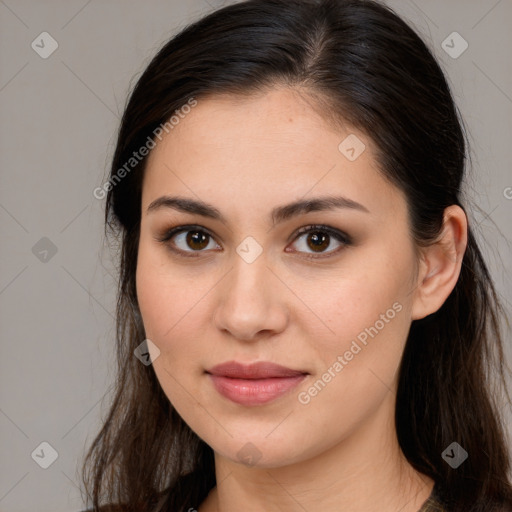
(365, 472)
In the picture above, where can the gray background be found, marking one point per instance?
(57, 131)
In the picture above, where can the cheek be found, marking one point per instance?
(166, 304)
(164, 293)
(369, 314)
(173, 306)
(358, 364)
(152, 293)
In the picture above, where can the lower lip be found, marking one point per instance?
(254, 391)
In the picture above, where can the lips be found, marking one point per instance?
(259, 370)
(254, 384)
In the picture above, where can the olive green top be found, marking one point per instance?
(433, 503)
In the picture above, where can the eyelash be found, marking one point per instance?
(337, 235)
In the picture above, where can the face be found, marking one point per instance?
(325, 292)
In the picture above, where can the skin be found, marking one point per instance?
(246, 156)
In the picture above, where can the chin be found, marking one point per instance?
(262, 452)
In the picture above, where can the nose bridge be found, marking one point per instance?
(250, 274)
(249, 262)
(248, 303)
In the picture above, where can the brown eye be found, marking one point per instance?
(188, 240)
(197, 240)
(313, 240)
(318, 241)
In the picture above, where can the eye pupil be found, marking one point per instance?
(318, 239)
(197, 237)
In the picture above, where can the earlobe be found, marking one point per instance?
(441, 264)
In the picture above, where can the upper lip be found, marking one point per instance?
(258, 370)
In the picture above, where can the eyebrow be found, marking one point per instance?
(278, 214)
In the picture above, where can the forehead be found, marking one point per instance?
(266, 148)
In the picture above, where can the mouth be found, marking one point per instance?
(254, 384)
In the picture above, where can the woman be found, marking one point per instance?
(305, 320)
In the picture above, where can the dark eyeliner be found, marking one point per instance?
(340, 236)
(169, 233)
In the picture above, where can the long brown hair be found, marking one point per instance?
(363, 64)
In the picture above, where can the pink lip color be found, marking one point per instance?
(254, 391)
(254, 384)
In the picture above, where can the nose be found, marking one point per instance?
(250, 303)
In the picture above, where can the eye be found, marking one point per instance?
(318, 238)
(188, 240)
(191, 240)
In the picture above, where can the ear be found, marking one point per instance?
(440, 264)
